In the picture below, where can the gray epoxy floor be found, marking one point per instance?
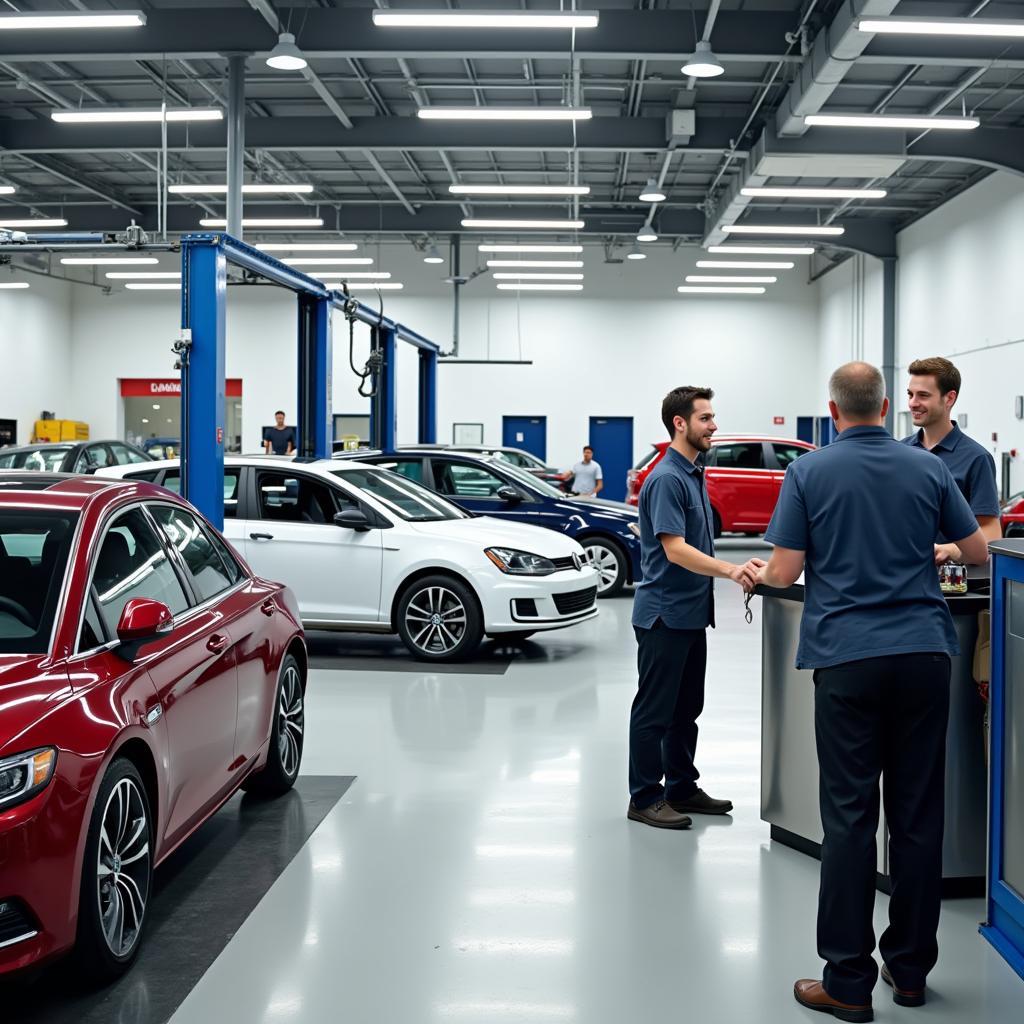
(481, 868)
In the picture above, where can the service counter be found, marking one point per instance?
(789, 763)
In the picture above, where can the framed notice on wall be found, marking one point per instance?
(467, 433)
(8, 432)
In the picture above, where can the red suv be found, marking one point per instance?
(1012, 516)
(744, 476)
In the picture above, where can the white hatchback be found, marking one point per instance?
(367, 550)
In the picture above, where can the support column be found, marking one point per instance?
(428, 396)
(236, 142)
(382, 405)
(889, 338)
(203, 299)
(314, 397)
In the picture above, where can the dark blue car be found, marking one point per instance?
(491, 487)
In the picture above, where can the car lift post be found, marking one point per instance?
(314, 377)
(383, 411)
(428, 396)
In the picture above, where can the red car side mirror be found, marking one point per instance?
(142, 620)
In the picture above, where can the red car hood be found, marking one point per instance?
(27, 692)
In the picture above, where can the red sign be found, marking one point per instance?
(220, 435)
(779, 420)
(146, 387)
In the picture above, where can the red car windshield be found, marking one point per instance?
(34, 547)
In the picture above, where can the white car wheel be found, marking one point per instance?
(438, 619)
(610, 564)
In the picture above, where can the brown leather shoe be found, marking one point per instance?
(701, 803)
(812, 994)
(660, 815)
(903, 996)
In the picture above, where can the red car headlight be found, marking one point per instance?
(24, 775)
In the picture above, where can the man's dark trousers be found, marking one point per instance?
(663, 722)
(880, 716)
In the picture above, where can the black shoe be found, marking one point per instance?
(902, 996)
(659, 814)
(700, 803)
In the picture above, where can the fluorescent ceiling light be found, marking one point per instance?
(504, 276)
(266, 222)
(32, 222)
(352, 275)
(796, 192)
(7, 190)
(330, 261)
(12, 285)
(529, 225)
(253, 189)
(485, 19)
(307, 246)
(519, 190)
(82, 19)
(110, 261)
(538, 264)
(384, 286)
(540, 287)
(954, 124)
(154, 286)
(286, 56)
(137, 116)
(144, 275)
(762, 250)
(944, 27)
(716, 290)
(504, 113)
(646, 234)
(703, 63)
(529, 248)
(727, 279)
(744, 265)
(650, 193)
(808, 230)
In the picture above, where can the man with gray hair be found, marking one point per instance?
(858, 518)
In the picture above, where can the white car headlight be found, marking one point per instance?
(24, 775)
(520, 563)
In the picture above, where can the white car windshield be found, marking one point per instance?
(403, 497)
(528, 480)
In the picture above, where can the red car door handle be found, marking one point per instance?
(268, 607)
(217, 643)
(261, 536)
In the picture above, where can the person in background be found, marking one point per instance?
(673, 606)
(932, 392)
(279, 439)
(858, 518)
(586, 476)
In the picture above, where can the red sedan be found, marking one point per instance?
(145, 675)
(744, 477)
(1012, 516)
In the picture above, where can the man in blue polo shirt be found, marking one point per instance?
(932, 392)
(858, 517)
(673, 606)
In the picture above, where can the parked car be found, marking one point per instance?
(744, 476)
(162, 447)
(369, 551)
(607, 530)
(145, 675)
(1012, 516)
(72, 457)
(516, 456)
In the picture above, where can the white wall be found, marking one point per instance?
(35, 352)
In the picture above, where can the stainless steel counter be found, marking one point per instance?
(789, 764)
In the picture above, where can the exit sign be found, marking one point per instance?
(779, 420)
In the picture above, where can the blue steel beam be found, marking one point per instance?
(428, 397)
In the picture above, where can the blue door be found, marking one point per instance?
(805, 429)
(826, 431)
(527, 432)
(611, 437)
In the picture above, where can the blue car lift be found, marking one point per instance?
(201, 358)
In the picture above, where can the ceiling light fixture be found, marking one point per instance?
(266, 222)
(965, 27)
(329, 261)
(153, 286)
(307, 246)
(252, 189)
(744, 265)
(7, 190)
(485, 19)
(650, 193)
(286, 56)
(728, 279)
(635, 254)
(32, 222)
(953, 124)
(137, 116)
(703, 63)
(362, 275)
(13, 285)
(144, 275)
(82, 19)
(529, 248)
(646, 234)
(519, 190)
(109, 261)
(502, 276)
(808, 230)
(504, 113)
(384, 286)
(713, 290)
(762, 250)
(540, 287)
(489, 224)
(538, 264)
(433, 256)
(798, 192)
